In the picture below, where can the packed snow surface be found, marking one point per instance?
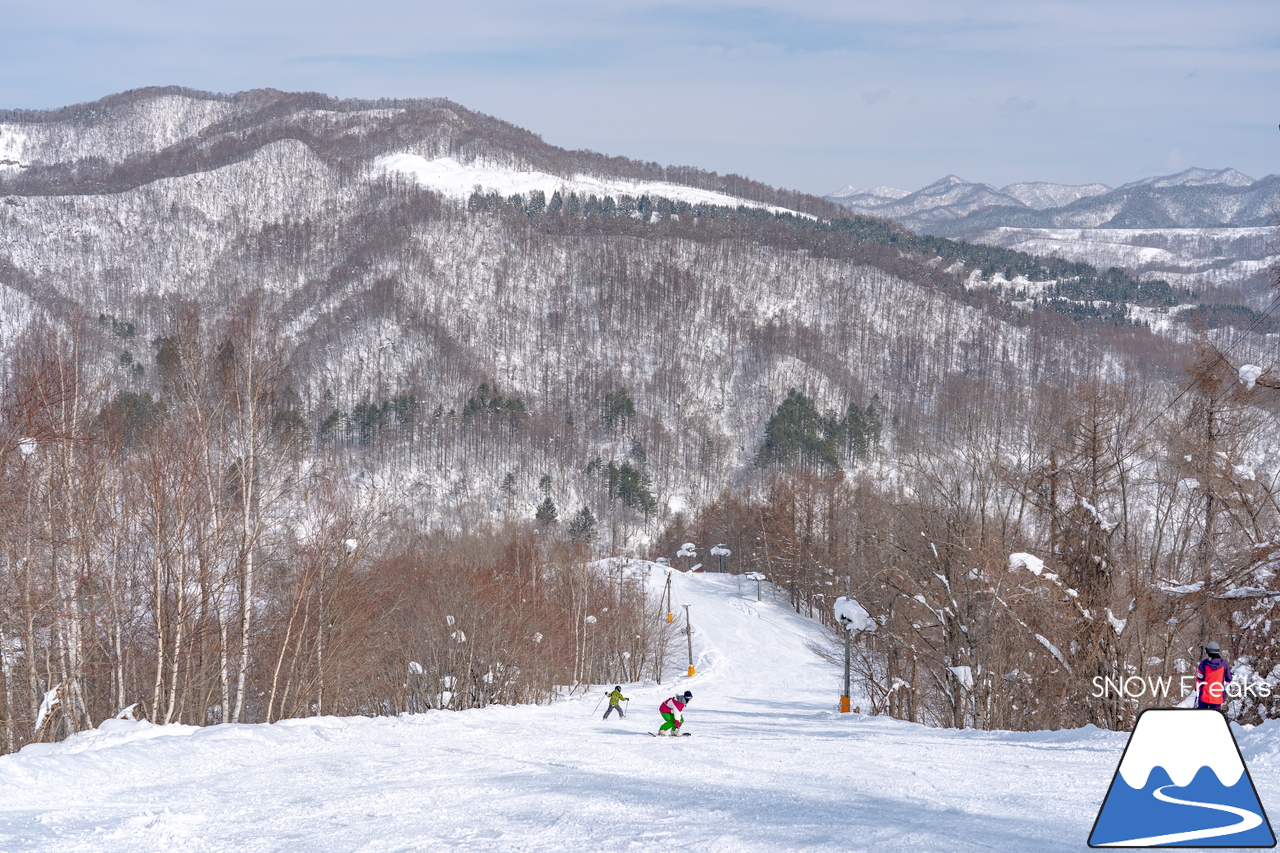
(459, 180)
(771, 766)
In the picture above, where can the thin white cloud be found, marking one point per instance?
(791, 93)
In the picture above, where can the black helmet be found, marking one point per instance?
(687, 696)
(618, 688)
(1212, 649)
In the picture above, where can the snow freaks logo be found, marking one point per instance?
(1135, 687)
(1181, 783)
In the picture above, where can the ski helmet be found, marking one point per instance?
(687, 696)
(1213, 649)
(618, 688)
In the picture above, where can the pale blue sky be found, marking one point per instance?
(807, 94)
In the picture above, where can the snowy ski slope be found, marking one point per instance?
(770, 767)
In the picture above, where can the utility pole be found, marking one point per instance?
(688, 633)
(669, 616)
(844, 623)
(721, 551)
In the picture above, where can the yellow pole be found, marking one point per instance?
(688, 633)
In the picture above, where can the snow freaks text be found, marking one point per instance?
(1136, 687)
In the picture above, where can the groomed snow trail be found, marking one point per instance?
(771, 766)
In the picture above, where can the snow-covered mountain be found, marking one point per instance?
(1199, 227)
(851, 196)
(386, 236)
(1194, 198)
(420, 248)
(1196, 177)
(1233, 258)
(1039, 195)
(942, 201)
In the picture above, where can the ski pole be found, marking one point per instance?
(597, 707)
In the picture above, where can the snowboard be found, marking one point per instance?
(682, 734)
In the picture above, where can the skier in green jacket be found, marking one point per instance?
(614, 698)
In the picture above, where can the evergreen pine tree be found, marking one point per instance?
(797, 433)
(582, 527)
(546, 514)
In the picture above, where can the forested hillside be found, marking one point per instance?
(279, 423)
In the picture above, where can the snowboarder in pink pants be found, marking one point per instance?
(669, 709)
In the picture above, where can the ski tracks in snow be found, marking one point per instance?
(772, 768)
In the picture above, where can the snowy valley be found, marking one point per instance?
(769, 766)
(306, 402)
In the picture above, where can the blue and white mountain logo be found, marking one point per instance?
(1181, 783)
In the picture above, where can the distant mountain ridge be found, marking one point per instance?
(1193, 198)
(131, 139)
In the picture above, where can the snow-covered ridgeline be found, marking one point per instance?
(131, 128)
(532, 319)
(127, 129)
(458, 180)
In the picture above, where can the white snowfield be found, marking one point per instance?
(458, 180)
(770, 766)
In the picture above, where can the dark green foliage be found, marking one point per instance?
(508, 486)
(537, 203)
(126, 358)
(126, 417)
(797, 434)
(582, 527)
(859, 430)
(546, 513)
(168, 357)
(631, 486)
(1115, 285)
(544, 484)
(618, 408)
(333, 424)
(119, 328)
(489, 405)
(1235, 316)
(1077, 285)
(595, 466)
(557, 202)
(366, 420)
(369, 421)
